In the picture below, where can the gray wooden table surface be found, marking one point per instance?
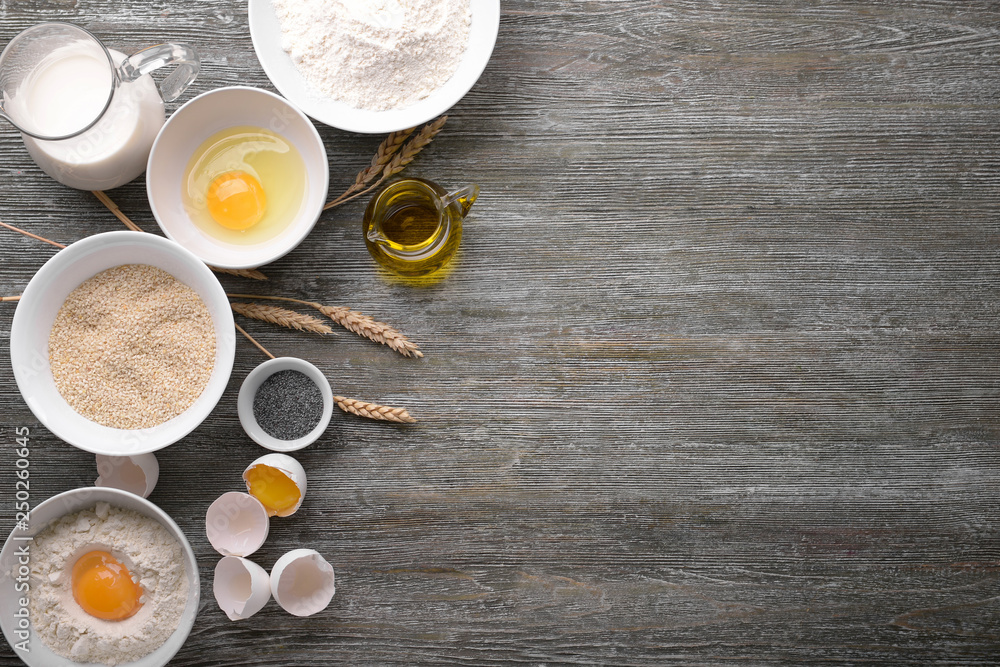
(714, 380)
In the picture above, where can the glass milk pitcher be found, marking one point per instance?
(88, 114)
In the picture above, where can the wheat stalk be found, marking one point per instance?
(253, 274)
(10, 298)
(30, 235)
(366, 326)
(281, 316)
(354, 321)
(253, 340)
(113, 207)
(399, 159)
(373, 410)
(386, 150)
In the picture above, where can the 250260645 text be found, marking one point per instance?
(22, 553)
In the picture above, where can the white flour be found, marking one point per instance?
(144, 547)
(375, 54)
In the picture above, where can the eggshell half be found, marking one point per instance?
(236, 524)
(241, 587)
(135, 474)
(302, 582)
(287, 465)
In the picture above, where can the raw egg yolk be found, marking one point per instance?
(104, 587)
(236, 200)
(274, 489)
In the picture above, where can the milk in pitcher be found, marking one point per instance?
(65, 93)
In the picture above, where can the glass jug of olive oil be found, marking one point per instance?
(413, 227)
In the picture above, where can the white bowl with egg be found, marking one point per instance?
(266, 33)
(183, 139)
(34, 652)
(36, 313)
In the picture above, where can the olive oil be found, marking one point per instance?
(413, 227)
(410, 224)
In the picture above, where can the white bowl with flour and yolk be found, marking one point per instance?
(30, 648)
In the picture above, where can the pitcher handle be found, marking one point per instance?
(465, 196)
(162, 55)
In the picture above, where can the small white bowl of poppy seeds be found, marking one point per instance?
(285, 404)
(122, 343)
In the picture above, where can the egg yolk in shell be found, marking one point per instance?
(236, 200)
(103, 587)
(275, 490)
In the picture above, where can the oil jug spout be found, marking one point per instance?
(377, 237)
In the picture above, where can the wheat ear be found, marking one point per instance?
(373, 410)
(252, 274)
(400, 159)
(386, 150)
(281, 316)
(354, 321)
(368, 327)
(413, 148)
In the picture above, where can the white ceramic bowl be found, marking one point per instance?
(251, 384)
(265, 31)
(40, 655)
(45, 294)
(195, 122)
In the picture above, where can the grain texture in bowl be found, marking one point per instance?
(253, 382)
(132, 347)
(36, 314)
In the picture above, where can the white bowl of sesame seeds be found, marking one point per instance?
(133, 364)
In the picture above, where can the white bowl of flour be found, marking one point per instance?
(140, 530)
(374, 66)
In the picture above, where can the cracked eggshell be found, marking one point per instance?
(302, 582)
(236, 524)
(291, 468)
(241, 587)
(135, 474)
